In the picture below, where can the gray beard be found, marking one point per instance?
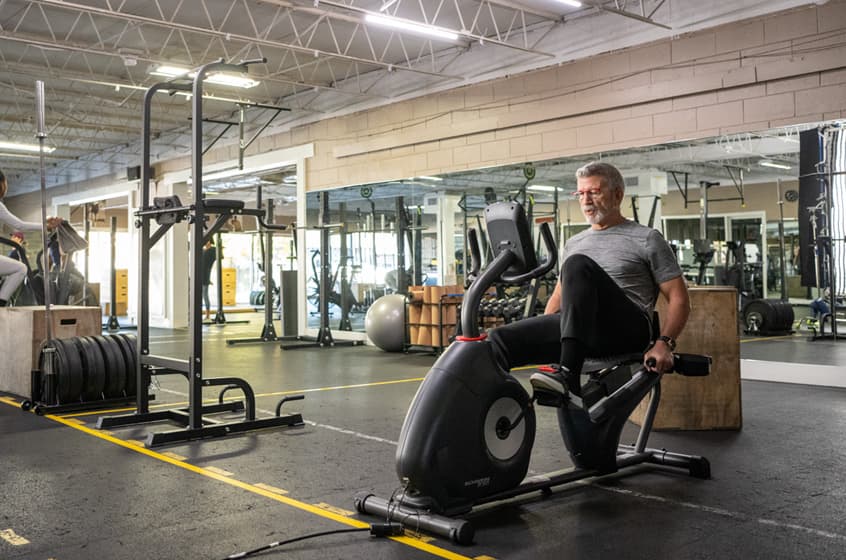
(598, 215)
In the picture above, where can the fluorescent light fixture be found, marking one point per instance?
(22, 156)
(226, 173)
(169, 71)
(542, 188)
(573, 3)
(230, 80)
(774, 164)
(430, 178)
(218, 78)
(406, 25)
(17, 146)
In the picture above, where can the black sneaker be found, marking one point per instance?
(550, 379)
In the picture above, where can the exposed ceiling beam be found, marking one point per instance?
(463, 33)
(520, 7)
(68, 46)
(604, 7)
(227, 36)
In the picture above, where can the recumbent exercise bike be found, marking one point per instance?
(468, 434)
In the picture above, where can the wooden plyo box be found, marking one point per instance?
(704, 403)
(23, 330)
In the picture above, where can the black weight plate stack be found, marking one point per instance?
(115, 367)
(773, 316)
(784, 312)
(69, 376)
(116, 348)
(93, 367)
(115, 378)
(127, 345)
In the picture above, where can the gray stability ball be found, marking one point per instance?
(385, 322)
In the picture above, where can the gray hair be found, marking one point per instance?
(608, 174)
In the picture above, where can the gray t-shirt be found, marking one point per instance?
(636, 257)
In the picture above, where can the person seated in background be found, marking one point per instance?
(13, 271)
(17, 237)
(820, 307)
(603, 302)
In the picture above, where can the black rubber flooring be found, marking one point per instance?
(71, 492)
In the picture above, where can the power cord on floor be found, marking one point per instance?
(375, 529)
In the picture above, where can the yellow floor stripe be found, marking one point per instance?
(767, 338)
(270, 488)
(12, 538)
(173, 455)
(216, 470)
(138, 448)
(335, 509)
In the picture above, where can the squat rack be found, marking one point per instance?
(167, 211)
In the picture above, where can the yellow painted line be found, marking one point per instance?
(221, 472)
(767, 338)
(77, 420)
(484, 558)
(270, 488)
(132, 442)
(274, 394)
(173, 455)
(335, 509)
(412, 533)
(10, 401)
(139, 448)
(12, 538)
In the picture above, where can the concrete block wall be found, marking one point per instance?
(784, 69)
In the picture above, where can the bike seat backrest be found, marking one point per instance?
(508, 228)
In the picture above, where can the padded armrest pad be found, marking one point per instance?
(223, 204)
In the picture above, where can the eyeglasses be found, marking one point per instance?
(593, 193)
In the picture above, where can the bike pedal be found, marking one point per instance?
(548, 398)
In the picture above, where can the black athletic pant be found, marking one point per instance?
(596, 319)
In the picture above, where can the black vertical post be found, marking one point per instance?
(219, 317)
(417, 235)
(195, 264)
(324, 336)
(268, 332)
(142, 398)
(344, 324)
(113, 324)
(782, 267)
(401, 227)
(87, 233)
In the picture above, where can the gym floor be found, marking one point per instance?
(73, 492)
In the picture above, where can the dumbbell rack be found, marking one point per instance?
(167, 212)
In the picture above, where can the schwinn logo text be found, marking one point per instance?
(479, 482)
